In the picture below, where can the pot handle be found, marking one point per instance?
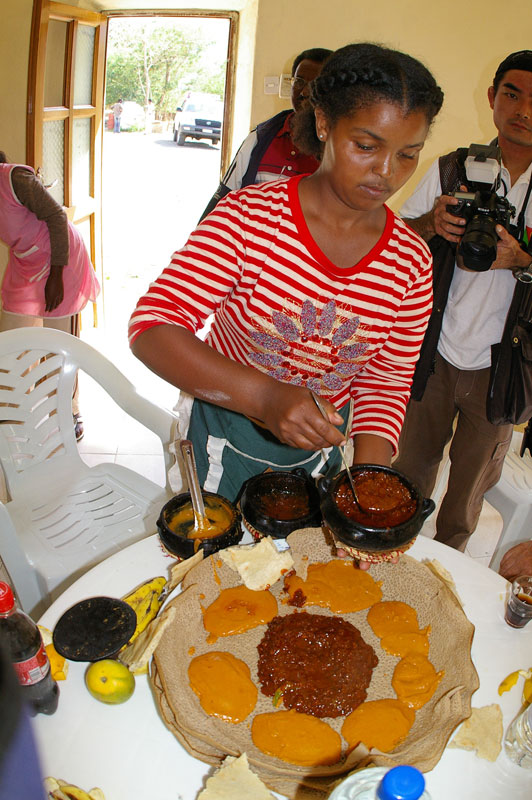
(427, 507)
(301, 472)
(323, 486)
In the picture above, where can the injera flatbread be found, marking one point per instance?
(210, 739)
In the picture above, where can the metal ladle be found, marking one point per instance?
(324, 414)
(196, 497)
(364, 509)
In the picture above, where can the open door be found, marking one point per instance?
(65, 109)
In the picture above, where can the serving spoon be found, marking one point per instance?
(324, 414)
(200, 520)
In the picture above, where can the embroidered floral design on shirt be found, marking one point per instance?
(295, 345)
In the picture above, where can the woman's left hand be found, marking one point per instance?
(341, 553)
(54, 291)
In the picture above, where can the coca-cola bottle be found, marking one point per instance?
(23, 640)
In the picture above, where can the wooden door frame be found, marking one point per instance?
(43, 11)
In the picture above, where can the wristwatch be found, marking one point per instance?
(524, 275)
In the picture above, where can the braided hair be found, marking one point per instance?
(357, 76)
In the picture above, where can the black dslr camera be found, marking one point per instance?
(482, 207)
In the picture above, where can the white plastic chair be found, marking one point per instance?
(512, 497)
(64, 516)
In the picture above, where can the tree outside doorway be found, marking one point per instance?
(160, 59)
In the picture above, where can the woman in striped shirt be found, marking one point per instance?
(315, 286)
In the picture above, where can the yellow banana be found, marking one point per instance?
(73, 792)
(58, 664)
(512, 679)
(527, 691)
(508, 682)
(146, 601)
(61, 790)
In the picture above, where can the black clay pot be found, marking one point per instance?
(183, 547)
(361, 536)
(277, 503)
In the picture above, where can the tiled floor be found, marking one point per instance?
(109, 436)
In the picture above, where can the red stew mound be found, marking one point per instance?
(321, 665)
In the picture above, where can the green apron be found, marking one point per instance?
(229, 448)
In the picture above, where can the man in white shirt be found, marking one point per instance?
(469, 316)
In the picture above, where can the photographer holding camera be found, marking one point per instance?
(482, 290)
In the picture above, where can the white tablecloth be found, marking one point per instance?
(128, 752)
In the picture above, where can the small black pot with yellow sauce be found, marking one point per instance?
(177, 531)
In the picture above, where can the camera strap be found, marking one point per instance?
(520, 226)
(521, 218)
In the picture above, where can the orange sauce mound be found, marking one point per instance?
(397, 626)
(296, 738)
(211, 674)
(400, 644)
(415, 680)
(237, 610)
(391, 616)
(378, 723)
(337, 585)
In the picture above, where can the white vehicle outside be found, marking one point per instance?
(199, 117)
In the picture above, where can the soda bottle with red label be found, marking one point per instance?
(22, 638)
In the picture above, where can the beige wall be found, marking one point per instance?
(16, 26)
(462, 44)
(15, 36)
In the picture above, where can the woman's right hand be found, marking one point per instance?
(291, 414)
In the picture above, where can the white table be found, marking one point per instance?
(128, 752)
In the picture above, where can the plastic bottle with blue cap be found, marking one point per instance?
(381, 783)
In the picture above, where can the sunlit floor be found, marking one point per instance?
(109, 436)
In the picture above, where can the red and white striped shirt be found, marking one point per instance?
(283, 307)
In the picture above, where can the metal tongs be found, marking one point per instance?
(324, 414)
(196, 497)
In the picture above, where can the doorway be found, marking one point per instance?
(153, 189)
(156, 200)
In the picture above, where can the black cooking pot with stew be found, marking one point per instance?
(393, 509)
(277, 503)
(175, 525)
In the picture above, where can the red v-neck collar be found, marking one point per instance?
(313, 247)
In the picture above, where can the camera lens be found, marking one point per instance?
(479, 243)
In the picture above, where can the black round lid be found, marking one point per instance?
(94, 628)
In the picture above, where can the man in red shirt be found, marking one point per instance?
(268, 152)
